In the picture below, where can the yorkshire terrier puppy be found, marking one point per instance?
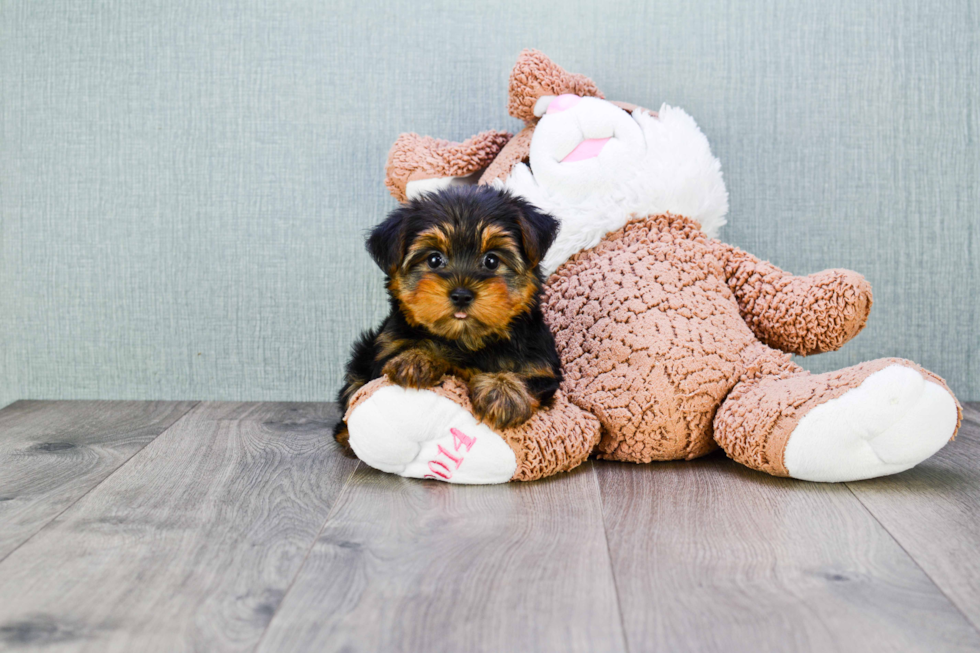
(464, 286)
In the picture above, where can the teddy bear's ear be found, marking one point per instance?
(417, 164)
(535, 75)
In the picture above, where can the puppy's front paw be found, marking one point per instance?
(501, 400)
(414, 369)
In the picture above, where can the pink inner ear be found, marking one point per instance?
(562, 102)
(587, 149)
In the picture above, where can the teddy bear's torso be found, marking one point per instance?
(650, 337)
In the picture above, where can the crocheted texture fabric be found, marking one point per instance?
(755, 422)
(414, 157)
(653, 337)
(556, 439)
(517, 149)
(802, 315)
(535, 75)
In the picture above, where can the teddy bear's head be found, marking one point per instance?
(592, 163)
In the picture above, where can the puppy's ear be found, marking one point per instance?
(386, 242)
(538, 231)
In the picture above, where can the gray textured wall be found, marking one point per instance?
(185, 183)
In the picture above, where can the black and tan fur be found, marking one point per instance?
(473, 250)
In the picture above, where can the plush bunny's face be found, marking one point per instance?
(583, 145)
(595, 166)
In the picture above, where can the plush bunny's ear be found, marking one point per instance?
(535, 75)
(418, 164)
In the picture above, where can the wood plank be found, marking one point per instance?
(53, 452)
(190, 546)
(407, 565)
(933, 511)
(711, 556)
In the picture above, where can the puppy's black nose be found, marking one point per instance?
(461, 297)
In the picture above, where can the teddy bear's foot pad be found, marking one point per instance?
(419, 434)
(894, 420)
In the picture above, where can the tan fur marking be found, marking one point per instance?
(491, 313)
(394, 285)
(415, 368)
(538, 371)
(495, 306)
(343, 437)
(501, 400)
(435, 238)
(389, 345)
(428, 303)
(496, 237)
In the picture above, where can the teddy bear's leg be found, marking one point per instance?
(869, 420)
(433, 434)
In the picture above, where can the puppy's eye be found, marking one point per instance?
(491, 262)
(435, 261)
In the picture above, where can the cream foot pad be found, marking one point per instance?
(420, 434)
(894, 420)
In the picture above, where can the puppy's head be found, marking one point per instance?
(463, 262)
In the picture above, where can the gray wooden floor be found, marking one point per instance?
(156, 526)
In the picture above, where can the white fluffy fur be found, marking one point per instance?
(677, 174)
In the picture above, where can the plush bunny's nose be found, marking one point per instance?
(554, 104)
(563, 102)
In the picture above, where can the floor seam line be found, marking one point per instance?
(976, 627)
(612, 571)
(306, 557)
(107, 477)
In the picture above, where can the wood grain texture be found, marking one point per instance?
(53, 452)
(241, 528)
(405, 565)
(190, 546)
(933, 511)
(711, 556)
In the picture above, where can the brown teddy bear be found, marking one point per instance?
(672, 342)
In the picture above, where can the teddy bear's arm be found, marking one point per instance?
(417, 158)
(799, 315)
